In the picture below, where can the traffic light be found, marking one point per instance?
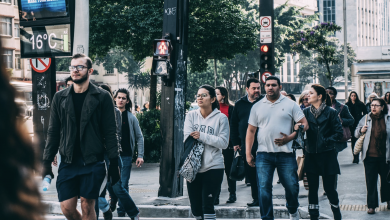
(266, 59)
(161, 58)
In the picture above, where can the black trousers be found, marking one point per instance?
(372, 167)
(251, 177)
(329, 187)
(228, 155)
(202, 192)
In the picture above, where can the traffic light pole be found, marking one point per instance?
(267, 39)
(175, 25)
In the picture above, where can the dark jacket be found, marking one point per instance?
(347, 121)
(239, 122)
(230, 112)
(324, 131)
(97, 123)
(357, 110)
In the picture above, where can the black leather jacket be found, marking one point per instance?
(323, 131)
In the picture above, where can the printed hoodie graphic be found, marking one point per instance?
(214, 134)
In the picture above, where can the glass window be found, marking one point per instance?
(16, 2)
(17, 62)
(8, 59)
(16, 30)
(6, 1)
(289, 72)
(5, 26)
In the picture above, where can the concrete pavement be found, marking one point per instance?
(144, 184)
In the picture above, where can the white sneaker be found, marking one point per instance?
(136, 217)
(294, 216)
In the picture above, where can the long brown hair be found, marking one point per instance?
(224, 92)
(322, 91)
(19, 195)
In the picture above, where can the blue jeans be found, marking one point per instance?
(117, 191)
(287, 167)
(125, 177)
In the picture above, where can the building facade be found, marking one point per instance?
(9, 35)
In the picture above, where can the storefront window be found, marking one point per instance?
(379, 88)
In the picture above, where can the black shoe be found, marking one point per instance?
(248, 184)
(336, 212)
(255, 202)
(232, 198)
(324, 194)
(355, 160)
(216, 201)
(121, 215)
(278, 182)
(107, 215)
(112, 205)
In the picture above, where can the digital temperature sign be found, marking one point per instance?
(33, 10)
(45, 41)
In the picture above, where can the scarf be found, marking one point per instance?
(317, 112)
(378, 134)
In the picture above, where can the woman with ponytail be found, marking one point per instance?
(210, 127)
(321, 156)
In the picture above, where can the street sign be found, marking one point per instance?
(266, 29)
(40, 65)
(265, 75)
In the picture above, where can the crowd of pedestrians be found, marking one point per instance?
(97, 136)
(262, 129)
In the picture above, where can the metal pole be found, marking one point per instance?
(215, 72)
(345, 50)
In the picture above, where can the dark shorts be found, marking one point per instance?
(77, 179)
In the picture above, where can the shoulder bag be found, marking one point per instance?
(346, 131)
(237, 171)
(193, 162)
(359, 142)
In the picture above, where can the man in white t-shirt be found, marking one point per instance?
(273, 116)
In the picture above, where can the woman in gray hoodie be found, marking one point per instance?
(209, 126)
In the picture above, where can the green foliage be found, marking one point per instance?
(217, 29)
(188, 105)
(287, 21)
(63, 63)
(317, 39)
(196, 79)
(149, 122)
(158, 97)
(311, 69)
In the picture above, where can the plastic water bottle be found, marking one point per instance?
(46, 183)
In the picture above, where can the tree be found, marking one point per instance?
(196, 79)
(288, 20)
(311, 69)
(217, 29)
(317, 39)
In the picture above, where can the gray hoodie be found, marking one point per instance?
(214, 134)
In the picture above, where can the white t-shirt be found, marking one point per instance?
(273, 118)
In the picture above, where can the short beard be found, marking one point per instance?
(81, 80)
(253, 96)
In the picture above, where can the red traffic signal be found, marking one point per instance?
(264, 48)
(162, 47)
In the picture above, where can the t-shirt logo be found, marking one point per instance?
(202, 128)
(210, 131)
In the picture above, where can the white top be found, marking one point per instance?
(214, 134)
(273, 118)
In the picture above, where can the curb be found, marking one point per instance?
(170, 211)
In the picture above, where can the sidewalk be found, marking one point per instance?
(144, 184)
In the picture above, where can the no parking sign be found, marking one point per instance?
(40, 65)
(265, 75)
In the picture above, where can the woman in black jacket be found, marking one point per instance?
(226, 107)
(357, 110)
(321, 157)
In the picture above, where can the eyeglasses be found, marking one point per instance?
(79, 68)
(203, 95)
(375, 106)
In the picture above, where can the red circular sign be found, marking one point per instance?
(40, 65)
(265, 22)
(265, 75)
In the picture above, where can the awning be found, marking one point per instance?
(373, 72)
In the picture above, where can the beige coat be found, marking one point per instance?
(366, 141)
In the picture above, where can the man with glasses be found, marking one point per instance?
(82, 127)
